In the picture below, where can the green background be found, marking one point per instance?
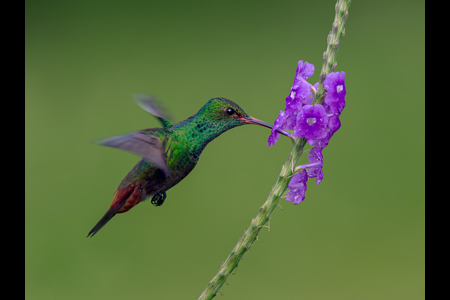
(359, 235)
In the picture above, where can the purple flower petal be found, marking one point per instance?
(308, 99)
(297, 187)
(279, 122)
(315, 157)
(311, 122)
(299, 93)
(333, 125)
(335, 99)
(293, 106)
(321, 143)
(303, 71)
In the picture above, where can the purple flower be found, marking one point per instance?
(316, 159)
(312, 122)
(297, 187)
(301, 87)
(299, 97)
(300, 93)
(334, 101)
(293, 106)
(308, 99)
(333, 125)
(316, 123)
(321, 143)
(314, 168)
(279, 122)
(303, 71)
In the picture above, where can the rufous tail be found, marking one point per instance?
(124, 200)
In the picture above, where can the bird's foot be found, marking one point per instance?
(158, 199)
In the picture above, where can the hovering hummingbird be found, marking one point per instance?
(170, 153)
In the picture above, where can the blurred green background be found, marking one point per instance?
(359, 235)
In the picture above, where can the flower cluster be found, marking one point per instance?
(316, 123)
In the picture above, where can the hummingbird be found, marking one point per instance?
(169, 153)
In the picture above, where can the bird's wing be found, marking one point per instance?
(149, 147)
(151, 105)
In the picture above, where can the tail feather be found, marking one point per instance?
(120, 199)
(105, 219)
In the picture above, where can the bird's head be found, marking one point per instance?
(224, 114)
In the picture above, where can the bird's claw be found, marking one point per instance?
(158, 199)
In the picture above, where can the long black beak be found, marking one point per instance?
(251, 120)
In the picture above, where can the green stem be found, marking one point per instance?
(329, 63)
(260, 221)
(288, 169)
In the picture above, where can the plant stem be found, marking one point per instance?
(260, 221)
(288, 169)
(329, 63)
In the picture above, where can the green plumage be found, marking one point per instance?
(169, 153)
(183, 144)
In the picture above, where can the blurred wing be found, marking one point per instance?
(149, 147)
(151, 105)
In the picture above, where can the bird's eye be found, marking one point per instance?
(230, 111)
